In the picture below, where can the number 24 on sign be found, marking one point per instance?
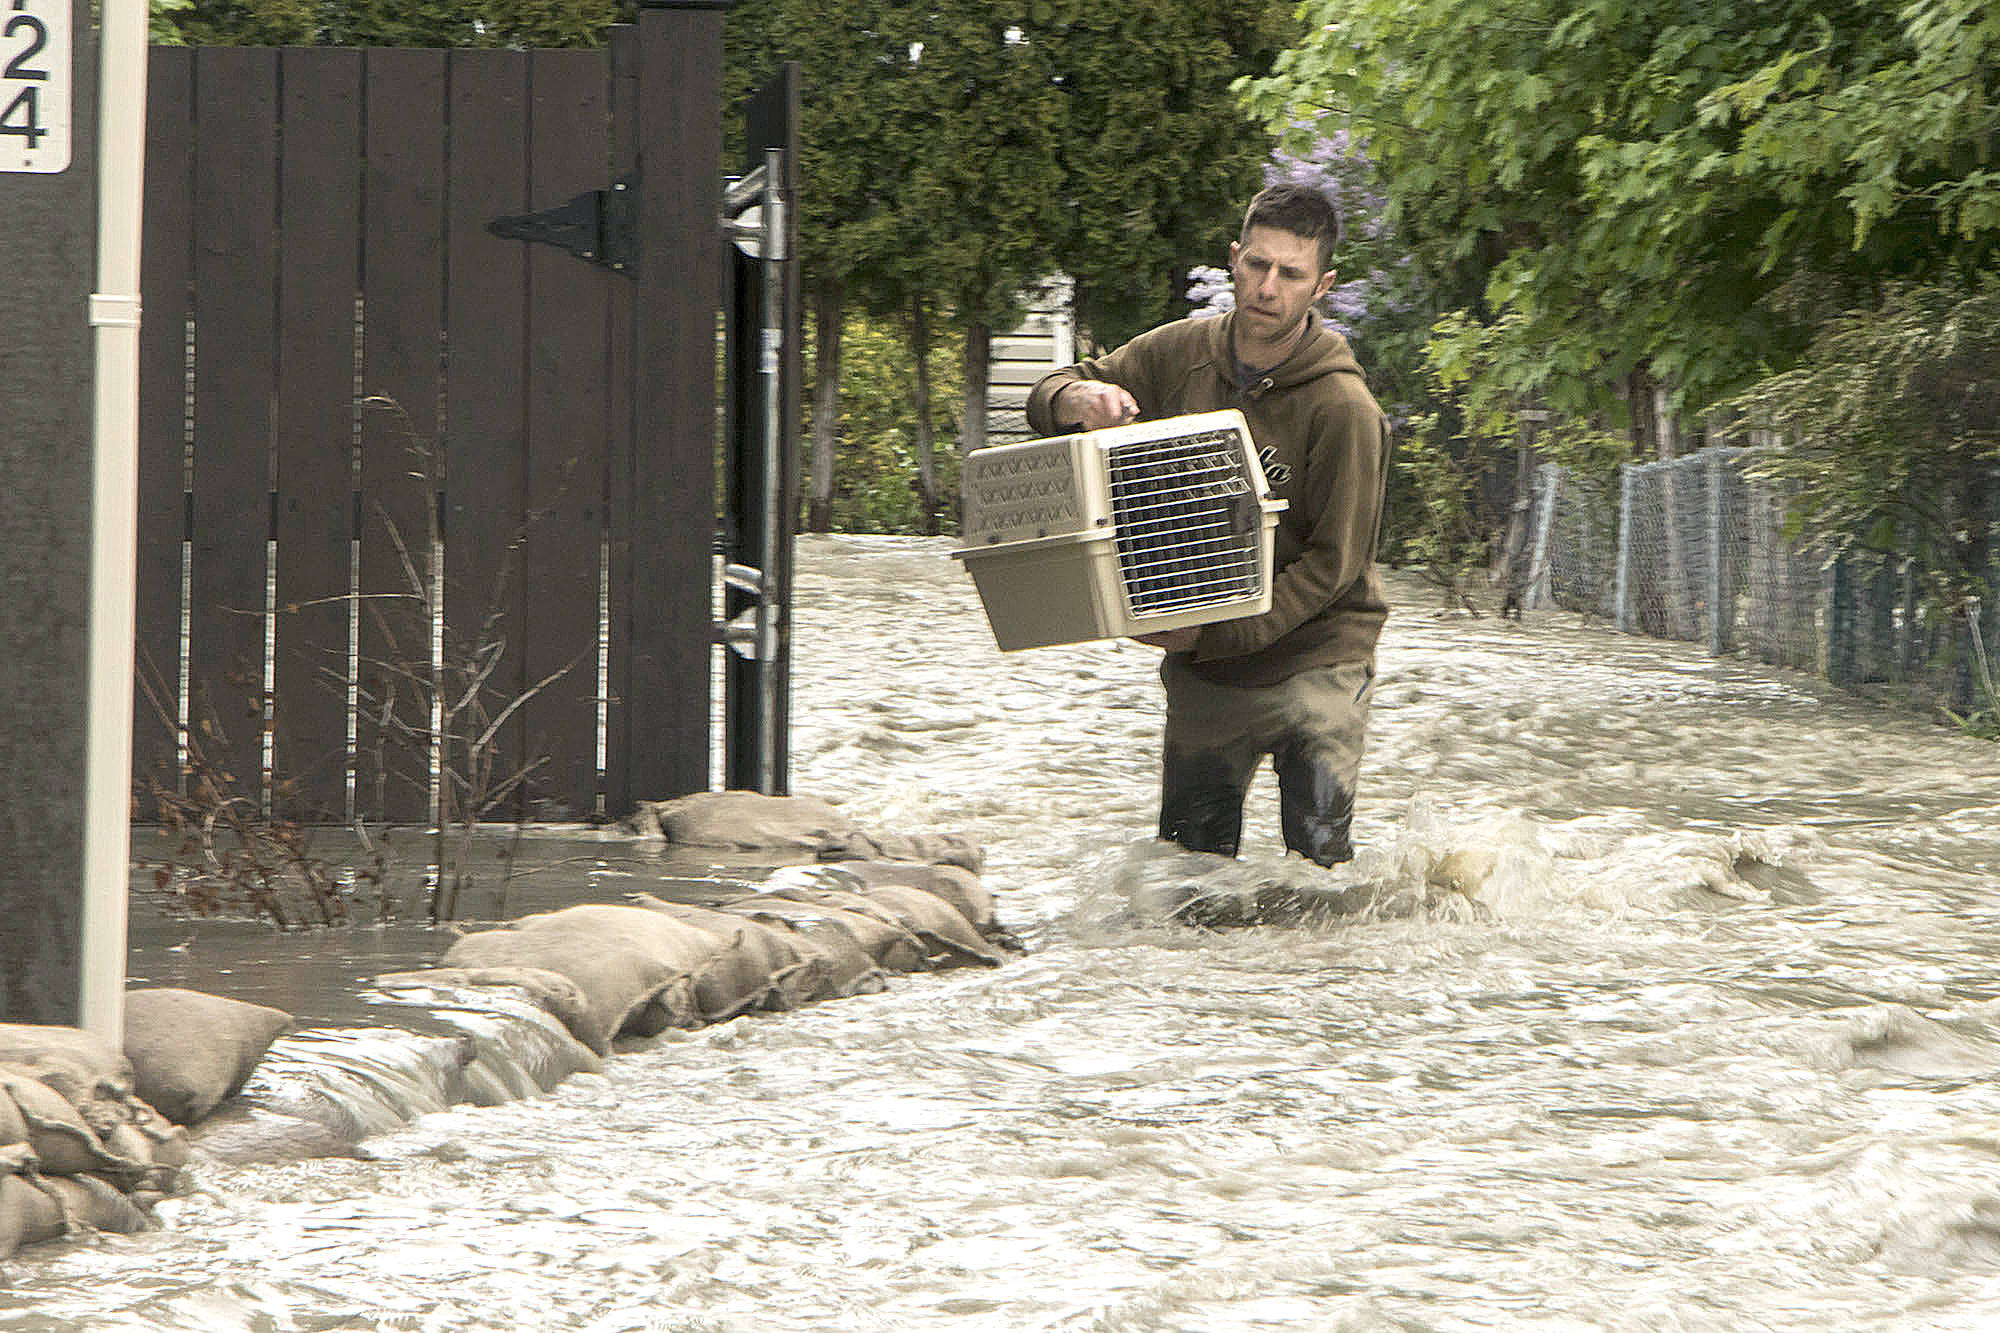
(34, 85)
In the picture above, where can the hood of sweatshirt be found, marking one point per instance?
(1321, 351)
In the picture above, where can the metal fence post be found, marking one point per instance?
(1840, 617)
(762, 375)
(1622, 594)
(1715, 552)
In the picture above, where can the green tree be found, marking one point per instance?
(1483, 391)
(1157, 158)
(860, 109)
(1892, 429)
(985, 192)
(1645, 183)
(873, 472)
(497, 23)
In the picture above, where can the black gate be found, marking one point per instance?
(425, 506)
(760, 474)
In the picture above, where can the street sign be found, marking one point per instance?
(34, 85)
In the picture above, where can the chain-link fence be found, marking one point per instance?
(1696, 549)
(1575, 542)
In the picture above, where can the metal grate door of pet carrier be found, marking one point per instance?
(1146, 527)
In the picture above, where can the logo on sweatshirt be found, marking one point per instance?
(1274, 472)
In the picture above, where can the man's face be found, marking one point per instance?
(1277, 277)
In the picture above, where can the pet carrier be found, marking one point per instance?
(1130, 530)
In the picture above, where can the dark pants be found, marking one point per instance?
(1312, 727)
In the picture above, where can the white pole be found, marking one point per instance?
(1622, 598)
(114, 314)
(1540, 582)
(1062, 319)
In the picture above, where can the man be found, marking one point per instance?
(1293, 683)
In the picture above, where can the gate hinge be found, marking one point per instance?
(598, 225)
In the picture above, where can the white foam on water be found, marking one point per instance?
(1663, 994)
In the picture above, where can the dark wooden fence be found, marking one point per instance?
(341, 361)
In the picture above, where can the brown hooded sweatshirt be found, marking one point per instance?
(1324, 445)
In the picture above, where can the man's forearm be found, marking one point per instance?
(1042, 414)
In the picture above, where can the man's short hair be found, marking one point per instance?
(1300, 210)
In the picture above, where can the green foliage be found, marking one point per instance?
(489, 23)
(959, 151)
(1435, 529)
(855, 98)
(1481, 387)
(1890, 431)
(1636, 179)
(1493, 387)
(1898, 126)
(1157, 158)
(1984, 719)
(953, 154)
(875, 464)
(981, 198)
(164, 21)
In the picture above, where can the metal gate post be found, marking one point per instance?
(1715, 479)
(1840, 617)
(760, 463)
(1622, 597)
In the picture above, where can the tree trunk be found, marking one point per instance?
(1686, 597)
(978, 369)
(1666, 429)
(828, 321)
(927, 478)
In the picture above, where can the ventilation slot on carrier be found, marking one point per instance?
(1187, 521)
(1151, 526)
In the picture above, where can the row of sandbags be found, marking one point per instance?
(79, 1149)
(91, 1134)
(809, 933)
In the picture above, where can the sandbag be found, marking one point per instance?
(670, 1007)
(675, 943)
(70, 1060)
(756, 966)
(875, 931)
(683, 950)
(190, 1050)
(751, 821)
(552, 992)
(616, 977)
(933, 848)
(845, 964)
(87, 1201)
(930, 918)
(948, 938)
(28, 1214)
(63, 1142)
(13, 1129)
(963, 890)
(628, 956)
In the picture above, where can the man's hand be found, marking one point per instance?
(1173, 640)
(1094, 404)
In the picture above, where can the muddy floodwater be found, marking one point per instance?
(1666, 996)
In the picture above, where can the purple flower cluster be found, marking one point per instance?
(1210, 290)
(1338, 166)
